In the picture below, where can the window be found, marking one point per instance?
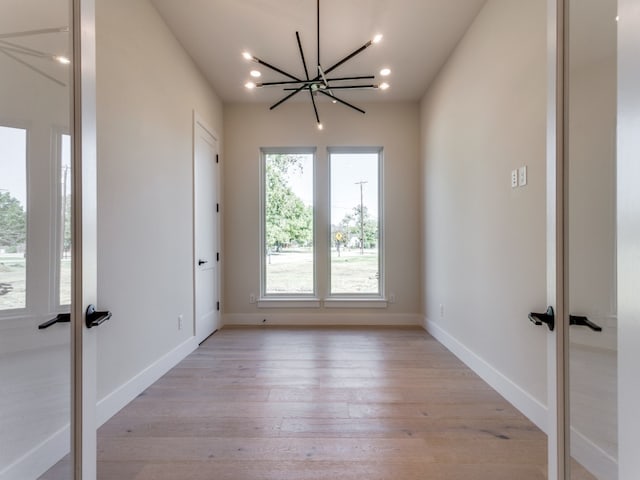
(13, 218)
(356, 241)
(288, 223)
(351, 242)
(64, 222)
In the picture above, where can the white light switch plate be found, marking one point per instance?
(522, 176)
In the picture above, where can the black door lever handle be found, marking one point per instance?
(60, 318)
(95, 318)
(202, 262)
(584, 322)
(547, 318)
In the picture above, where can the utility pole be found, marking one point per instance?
(361, 183)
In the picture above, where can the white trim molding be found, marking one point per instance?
(332, 318)
(119, 398)
(530, 407)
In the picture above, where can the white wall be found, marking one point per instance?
(484, 242)
(147, 89)
(249, 127)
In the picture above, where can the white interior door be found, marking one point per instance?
(590, 225)
(206, 235)
(47, 239)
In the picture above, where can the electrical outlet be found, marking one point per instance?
(392, 298)
(252, 298)
(180, 322)
(514, 178)
(442, 310)
(522, 176)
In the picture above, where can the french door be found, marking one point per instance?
(593, 239)
(47, 238)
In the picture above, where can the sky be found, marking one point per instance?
(347, 169)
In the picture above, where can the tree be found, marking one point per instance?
(350, 227)
(287, 219)
(13, 221)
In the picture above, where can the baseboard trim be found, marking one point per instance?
(592, 457)
(323, 319)
(119, 398)
(40, 459)
(533, 409)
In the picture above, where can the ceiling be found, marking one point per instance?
(419, 35)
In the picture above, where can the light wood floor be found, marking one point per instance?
(320, 403)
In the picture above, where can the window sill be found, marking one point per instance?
(288, 303)
(355, 303)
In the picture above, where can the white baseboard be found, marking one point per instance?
(40, 459)
(323, 319)
(592, 457)
(36, 462)
(114, 402)
(533, 409)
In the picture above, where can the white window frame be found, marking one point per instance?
(286, 300)
(56, 207)
(24, 311)
(359, 300)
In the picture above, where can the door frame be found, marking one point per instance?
(557, 341)
(84, 289)
(199, 122)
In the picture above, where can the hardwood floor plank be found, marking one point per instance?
(282, 403)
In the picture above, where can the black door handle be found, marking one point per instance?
(95, 318)
(548, 318)
(584, 322)
(61, 318)
(202, 262)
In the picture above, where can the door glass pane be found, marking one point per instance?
(288, 224)
(591, 232)
(355, 224)
(35, 87)
(13, 218)
(64, 223)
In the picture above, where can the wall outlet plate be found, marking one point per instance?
(522, 176)
(514, 178)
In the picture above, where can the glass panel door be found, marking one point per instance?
(591, 238)
(35, 99)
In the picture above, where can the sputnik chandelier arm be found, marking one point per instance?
(21, 53)
(322, 83)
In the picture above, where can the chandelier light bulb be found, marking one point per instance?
(377, 38)
(384, 86)
(255, 74)
(385, 72)
(320, 126)
(250, 85)
(61, 59)
(247, 56)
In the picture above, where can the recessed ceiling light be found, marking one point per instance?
(385, 72)
(250, 85)
(377, 38)
(255, 74)
(62, 59)
(247, 56)
(383, 86)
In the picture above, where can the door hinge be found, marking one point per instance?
(218, 256)
(217, 207)
(217, 158)
(218, 306)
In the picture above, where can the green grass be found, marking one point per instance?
(291, 271)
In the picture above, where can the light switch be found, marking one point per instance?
(514, 178)
(522, 176)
